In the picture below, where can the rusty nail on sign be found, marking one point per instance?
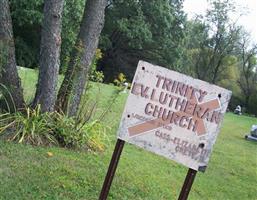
(173, 115)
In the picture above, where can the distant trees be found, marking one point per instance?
(27, 17)
(219, 51)
(211, 40)
(143, 29)
(8, 70)
(247, 63)
(210, 47)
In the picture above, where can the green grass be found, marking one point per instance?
(29, 173)
(29, 81)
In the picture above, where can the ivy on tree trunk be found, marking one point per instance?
(76, 76)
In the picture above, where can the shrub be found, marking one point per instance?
(90, 135)
(96, 135)
(95, 75)
(120, 80)
(30, 128)
(37, 128)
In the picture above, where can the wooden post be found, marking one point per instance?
(187, 184)
(111, 170)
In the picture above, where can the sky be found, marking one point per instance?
(248, 21)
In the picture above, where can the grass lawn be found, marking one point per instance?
(29, 173)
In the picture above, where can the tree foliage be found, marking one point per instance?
(72, 16)
(211, 40)
(210, 47)
(247, 63)
(149, 30)
(27, 17)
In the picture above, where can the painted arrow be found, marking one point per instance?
(158, 122)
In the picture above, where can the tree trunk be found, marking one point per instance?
(8, 69)
(49, 55)
(247, 98)
(72, 88)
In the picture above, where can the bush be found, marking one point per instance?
(84, 131)
(30, 128)
(95, 75)
(37, 128)
(120, 80)
(97, 136)
(89, 135)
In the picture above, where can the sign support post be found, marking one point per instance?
(111, 170)
(187, 184)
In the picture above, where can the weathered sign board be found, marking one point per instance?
(173, 115)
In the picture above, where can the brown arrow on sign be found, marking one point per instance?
(158, 122)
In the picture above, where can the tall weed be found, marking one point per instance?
(48, 129)
(6, 100)
(30, 128)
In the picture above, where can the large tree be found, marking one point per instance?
(76, 76)
(8, 69)
(49, 55)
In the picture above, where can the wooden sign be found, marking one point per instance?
(173, 115)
